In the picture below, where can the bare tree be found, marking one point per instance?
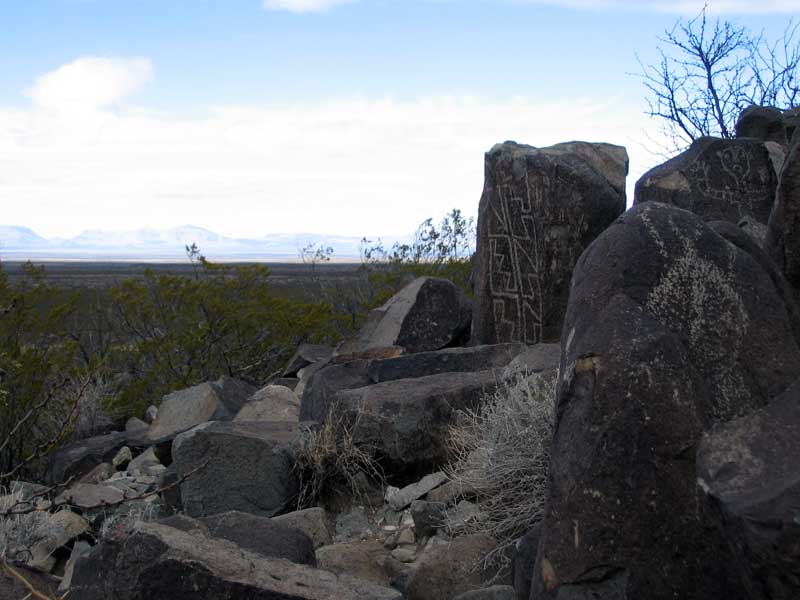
(709, 72)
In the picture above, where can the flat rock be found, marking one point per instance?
(405, 496)
(362, 559)
(93, 495)
(262, 535)
(250, 467)
(159, 562)
(271, 403)
(540, 208)
(449, 360)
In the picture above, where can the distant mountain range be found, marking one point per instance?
(151, 244)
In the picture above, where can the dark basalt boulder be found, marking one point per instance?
(719, 180)
(78, 458)
(783, 231)
(540, 208)
(670, 330)
(427, 314)
(749, 470)
(262, 536)
(763, 123)
(449, 360)
(161, 562)
(250, 467)
(406, 421)
(322, 387)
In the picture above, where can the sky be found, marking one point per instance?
(346, 117)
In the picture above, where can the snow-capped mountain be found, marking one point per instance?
(22, 242)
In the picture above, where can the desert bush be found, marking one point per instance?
(329, 463)
(178, 331)
(501, 454)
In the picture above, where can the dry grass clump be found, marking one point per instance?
(19, 533)
(329, 462)
(502, 454)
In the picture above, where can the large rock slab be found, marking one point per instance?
(159, 562)
(322, 387)
(406, 421)
(270, 403)
(783, 230)
(311, 521)
(449, 360)
(210, 401)
(749, 470)
(720, 180)
(427, 314)
(670, 329)
(262, 535)
(540, 208)
(249, 467)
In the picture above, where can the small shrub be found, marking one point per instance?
(501, 454)
(329, 462)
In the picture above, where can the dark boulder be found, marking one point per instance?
(783, 231)
(243, 465)
(79, 458)
(262, 536)
(449, 360)
(307, 354)
(406, 421)
(670, 329)
(540, 208)
(322, 387)
(719, 180)
(427, 314)
(523, 561)
(763, 123)
(749, 470)
(161, 562)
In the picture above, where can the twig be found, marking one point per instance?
(32, 591)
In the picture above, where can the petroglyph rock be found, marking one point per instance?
(670, 329)
(720, 180)
(540, 208)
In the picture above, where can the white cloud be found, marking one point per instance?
(353, 167)
(90, 83)
(303, 6)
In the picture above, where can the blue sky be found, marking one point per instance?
(359, 117)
